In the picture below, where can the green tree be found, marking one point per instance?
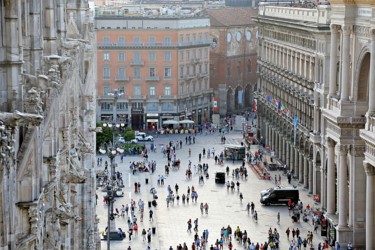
(103, 138)
(128, 134)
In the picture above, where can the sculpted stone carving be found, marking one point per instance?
(369, 169)
(342, 149)
(20, 119)
(33, 103)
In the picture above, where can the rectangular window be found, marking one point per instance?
(167, 40)
(136, 40)
(205, 53)
(106, 90)
(106, 40)
(137, 90)
(121, 72)
(121, 90)
(167, 56)
(200, 69)
(106, 73)
(106, 56)
(167, 90)
(200, 85)
(205, 84)
(181, 56)
(137, 57)
(121, 56)
(181, 89)
(206, 68)
(188, 55)
(194, 86)
(152, 40)
(152, 56)
(152, 90)
(194, 70)
(200, 53)
(181, 39)
(167, 73)
(194, 38)
(137, 73)
(152, 72)
(188, 38)
(187, 70)
(194, 53)
(121, 40)
(182, 71)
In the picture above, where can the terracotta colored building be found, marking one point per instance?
(154, 68)
(233, 57)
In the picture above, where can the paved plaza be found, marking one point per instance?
(225, 207)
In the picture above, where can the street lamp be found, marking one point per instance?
(111, 188)
(116, 94)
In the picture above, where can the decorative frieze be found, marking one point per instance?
(358, 150)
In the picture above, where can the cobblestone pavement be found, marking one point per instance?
(224, 206)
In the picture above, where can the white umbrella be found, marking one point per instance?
(186, 122)
(171, 122)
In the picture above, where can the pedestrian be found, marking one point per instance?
(151, 213)
(248, 207)
(176, 188)
(201, 207)
(287, 232)
(337, 246)
(189, 152)
(252, 207)
(206, 208)
(278, 218)
(276, 180)
(144, 234)
(200, 157)
(293, 233)
(241, 198)
(139, 187)
(238, 186)
(149, 235)
(135, 187)
(279, 179)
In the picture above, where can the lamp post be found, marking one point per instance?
(111, 188)
(116, 94)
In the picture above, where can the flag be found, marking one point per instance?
(255, 105)
(282, 108)
(279, 106)
(295, 125)
(269, 98)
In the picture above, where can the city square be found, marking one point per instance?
(225, 207)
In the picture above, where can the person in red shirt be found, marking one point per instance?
(230, 245)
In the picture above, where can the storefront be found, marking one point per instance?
(168, 116)
(152, 122)
(137, 119)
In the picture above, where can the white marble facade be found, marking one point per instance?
(47, 125)
(321, 66)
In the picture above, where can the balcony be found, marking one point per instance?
(318, 15)
(198, 43)
(152, 78)
(122, 78)
(196, 61)
(137, 63)
(202, 75)
(137, 97)
(189, 77)
(167, 97)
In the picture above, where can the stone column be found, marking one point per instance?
(370, 205)
(312, 176)
(287, 154)
(331, 181)
(311, 67)
(316, 68)
(305, 67)
(288, 60)
(300, 170)
(372, 75)
(343, 186)
(291, 159)
(280, 147)
(345, 84)
(333, 60)
(305, 172)
(296, 63)
(296, 167)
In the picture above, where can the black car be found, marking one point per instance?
(220, 177)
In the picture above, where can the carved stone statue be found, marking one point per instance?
(20, 119)
(33, 103)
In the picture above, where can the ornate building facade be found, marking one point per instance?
(159, 63)
(316, 107)
(233, 57)
(47, 76)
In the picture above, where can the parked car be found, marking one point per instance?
(279, 195)
(141, 136)
(220, 177)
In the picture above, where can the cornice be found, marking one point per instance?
(352, 2)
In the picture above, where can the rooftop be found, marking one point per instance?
(231, 16)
